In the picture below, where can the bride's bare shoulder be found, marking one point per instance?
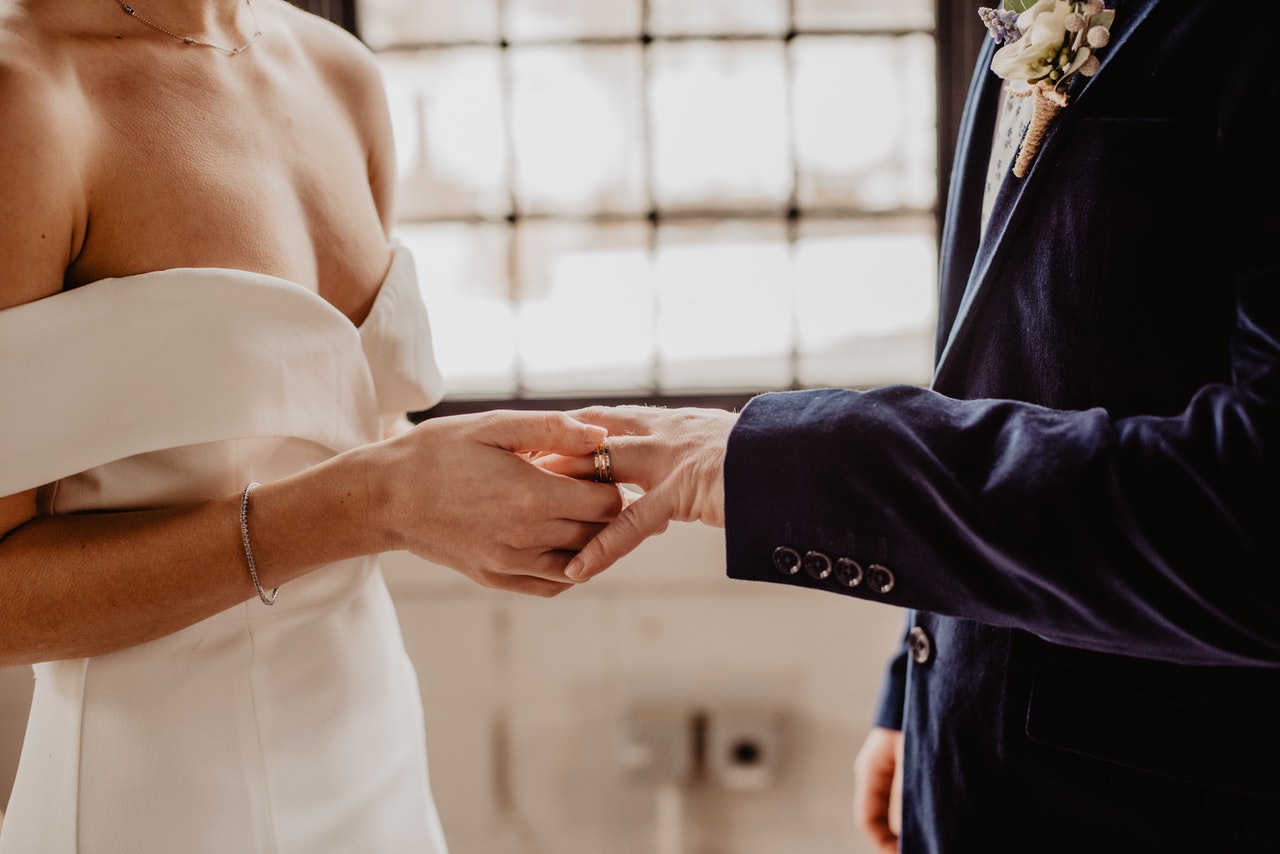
(336, 54)
(346, 68)
(40, 85)
(41, 195)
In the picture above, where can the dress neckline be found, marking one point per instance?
(243, 276)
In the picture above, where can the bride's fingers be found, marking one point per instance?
(528, 585)
(643, 517)
(565, 535)
(579, 468)
(539, 432)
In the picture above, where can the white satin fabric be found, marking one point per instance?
(295, 728)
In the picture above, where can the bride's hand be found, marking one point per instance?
(462, 492)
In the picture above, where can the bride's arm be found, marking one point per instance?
(450, 490)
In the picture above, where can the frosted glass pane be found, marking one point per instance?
(446, 112)
(407, 22)
(864, 14)
(865, 302)
(572, 19)
(715, 17)
(724, 306)
(865, 121)
(462, 270)
(720, 125)
(586, 307)
(578, 129)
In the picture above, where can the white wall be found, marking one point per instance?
(525, 697)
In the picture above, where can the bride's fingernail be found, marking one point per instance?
(574, 569)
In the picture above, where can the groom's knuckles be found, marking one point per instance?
(618, 420)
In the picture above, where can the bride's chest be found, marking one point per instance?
(257, 173)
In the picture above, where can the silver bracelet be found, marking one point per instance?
(248, 550)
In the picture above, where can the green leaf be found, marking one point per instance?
(1018, 5)
(1103, 19)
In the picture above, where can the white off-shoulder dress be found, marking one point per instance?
(295, 728)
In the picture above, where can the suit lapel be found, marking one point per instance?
(1016, 195)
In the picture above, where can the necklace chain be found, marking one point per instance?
(229, 51)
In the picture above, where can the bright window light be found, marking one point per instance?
(627, 198)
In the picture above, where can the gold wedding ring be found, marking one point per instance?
(604, 465)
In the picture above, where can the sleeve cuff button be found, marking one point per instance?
(786, 560)
(848, 572)
(817, 565)
(880, 578)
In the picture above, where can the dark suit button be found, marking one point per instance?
(880, 578)
(786, 561)
(920, 645)
(848, 572)
(817, 565)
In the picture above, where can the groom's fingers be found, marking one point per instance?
(642, 518)
(640, 460)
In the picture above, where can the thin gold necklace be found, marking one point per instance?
(229, 51)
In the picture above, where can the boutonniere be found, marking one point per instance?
(1045, 44)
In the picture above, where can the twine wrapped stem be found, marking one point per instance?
(1048, 103)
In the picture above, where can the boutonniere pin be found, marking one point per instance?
(1045, 44)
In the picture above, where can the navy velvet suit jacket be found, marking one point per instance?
(1084, 510)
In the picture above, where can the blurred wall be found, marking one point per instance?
(527, 701)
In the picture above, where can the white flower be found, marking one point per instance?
(1054, 41)
(1033, 56)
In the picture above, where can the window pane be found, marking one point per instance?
(586, 295)
(463, 274)
(715, 17)
(724, 306)
(864, 14)
(864, 113)
(865, 304)
(720, 125)
(586, 307)
(446, 111)
(572, 19)
(578, 127)
(406, 22)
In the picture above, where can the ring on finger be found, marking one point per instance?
(603, 463)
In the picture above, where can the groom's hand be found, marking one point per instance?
(675, 455)
(877, 789)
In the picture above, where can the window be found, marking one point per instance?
(620, 198)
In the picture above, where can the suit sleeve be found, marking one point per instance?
(1150, 536)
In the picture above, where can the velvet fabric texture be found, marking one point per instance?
(1082, 512)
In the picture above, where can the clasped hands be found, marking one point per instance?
(511, 499)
